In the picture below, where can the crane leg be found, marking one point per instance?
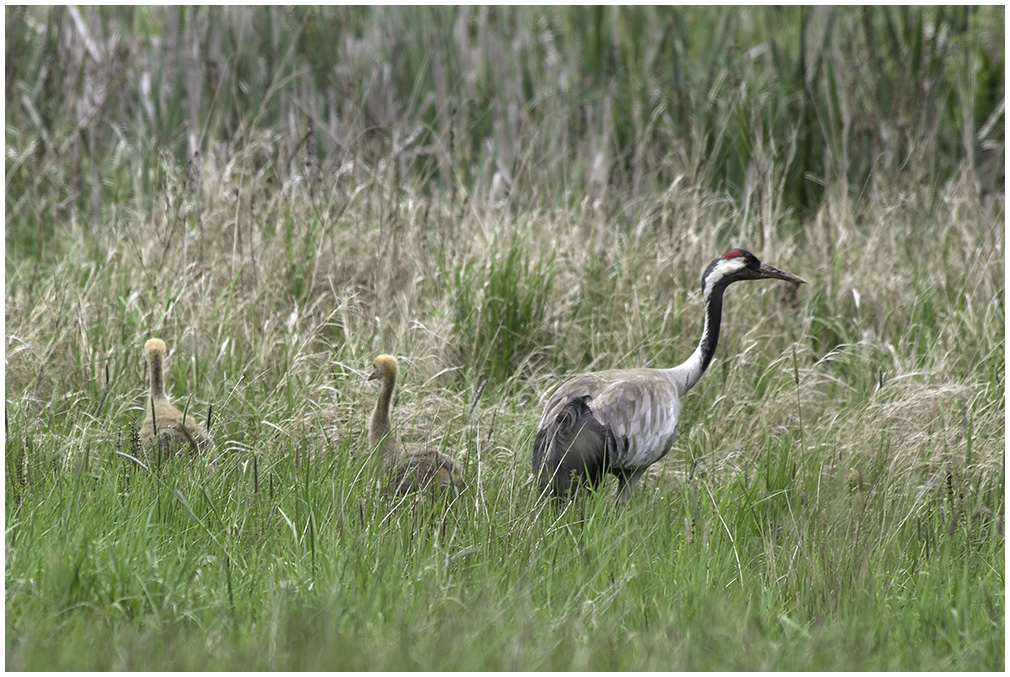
(626, 481)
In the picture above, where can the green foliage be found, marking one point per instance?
(208, 567)
(751, 102)
(498, 312)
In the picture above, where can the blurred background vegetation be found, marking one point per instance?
(530, 105)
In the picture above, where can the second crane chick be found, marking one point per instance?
(163, 421)
(410, 467)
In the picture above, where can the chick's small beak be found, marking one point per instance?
(773, 272)
(374, 375)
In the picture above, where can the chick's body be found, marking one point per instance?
(165, 426)
(410, 467)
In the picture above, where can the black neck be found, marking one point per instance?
(710, 330)
(694, 366)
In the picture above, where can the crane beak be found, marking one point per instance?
(374, 375)
(775, 273)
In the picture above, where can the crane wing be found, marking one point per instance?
(641, 408)
(572, 450)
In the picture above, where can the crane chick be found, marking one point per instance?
(621, 421)
(410, 468)
(163, 421)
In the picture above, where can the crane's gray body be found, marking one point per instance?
(640, 406)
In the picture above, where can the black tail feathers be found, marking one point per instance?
(572, 450)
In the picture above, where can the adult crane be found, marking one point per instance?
(621, 421)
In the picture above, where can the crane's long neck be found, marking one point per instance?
(154, 360)
(690, 370)
(379, 426)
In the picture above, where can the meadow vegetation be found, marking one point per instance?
(502, 197)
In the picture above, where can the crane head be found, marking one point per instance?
(155, 347)
(740, 264)
(385, 368)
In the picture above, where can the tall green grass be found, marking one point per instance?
(187, 567)
(501, 198)
(498, 312)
